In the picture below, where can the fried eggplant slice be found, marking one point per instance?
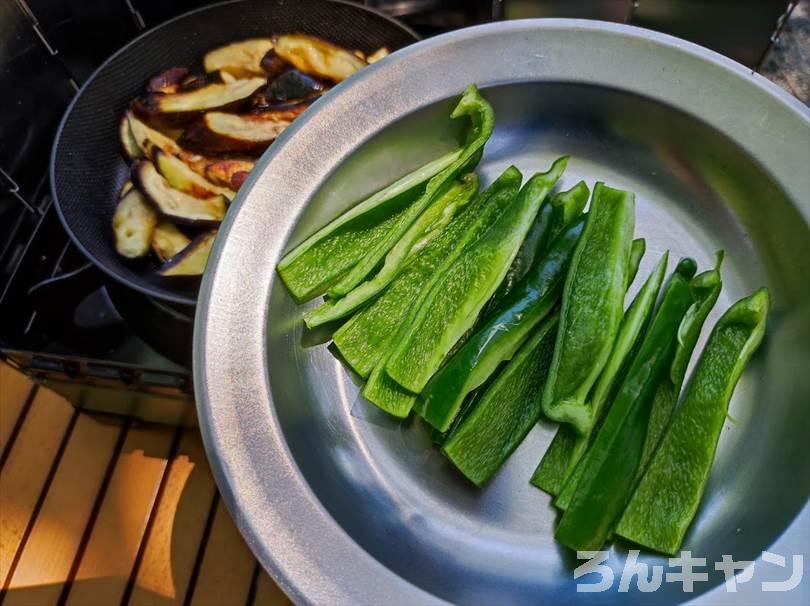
(168, 81)
(211, 96)
(317, 57)
(181, 177)
(133, 224)
(380, 53)
(167, 240)
(192, 259)
(174, 204)
(219, 132)
(229, 172)
(241, 59)
(129, 146)
(149, 139)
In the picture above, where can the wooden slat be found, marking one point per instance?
(268, 593)
(227, 566)
(27, 468)
(178, 527)
(14, 390)
(107, 561)
(51, 548)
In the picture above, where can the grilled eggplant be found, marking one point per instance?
(167, 241)
(129, 146)
(192, 259)
(228, 172)
(174, 204)
(149, 139)
(317, 57)
(180, 176)
(380, 53)
(133, 224)
(219, 132)
(211, 96)
(241, 59)
(169, 81)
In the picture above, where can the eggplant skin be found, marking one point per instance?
(133, 224)
(272, 65)
(167, 241)
(168, 81)
(219, 132)
(174, 204)
(317, 57)
(241, 59)
(293, 85)
(190, 261)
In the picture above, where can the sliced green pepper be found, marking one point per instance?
(554, 215)
(423, 230)
(706, 287)
(318, 261)
(667, 498)
(501, 334)
(592, 307)
(610, 463)
(506, 412)
(462, 291)
(381, 324)
(685, 269)
(364, 341)
(637, 250)
(568, 446)
(480, 112)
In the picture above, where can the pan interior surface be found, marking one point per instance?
(697, 192)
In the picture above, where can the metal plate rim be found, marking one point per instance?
(292, 534)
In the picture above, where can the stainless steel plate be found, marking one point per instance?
(343, 505)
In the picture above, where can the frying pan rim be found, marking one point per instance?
(145, 289)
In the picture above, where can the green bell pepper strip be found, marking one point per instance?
(318, 261)
(371, 341)
(592, 307)
(501, 334)
(667, 498)
(480, 112)
(706, 287)
(637, 250)
(365, 339)
(461, 292)
(555, 214)
(424, 229)
(685, 269)
(568, 446)
(507, 411)
(610, 464)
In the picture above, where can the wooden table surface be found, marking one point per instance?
(97, 510)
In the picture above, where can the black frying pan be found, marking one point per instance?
(87, 170)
